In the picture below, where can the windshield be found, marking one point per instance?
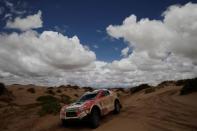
(88, 96)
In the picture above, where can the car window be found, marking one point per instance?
(106, 93)
(89, 96)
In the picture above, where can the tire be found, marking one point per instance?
(94, 118)
(64, 122)
(117, 107)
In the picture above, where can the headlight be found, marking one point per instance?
(63, 109)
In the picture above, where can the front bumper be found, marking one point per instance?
(79, 116)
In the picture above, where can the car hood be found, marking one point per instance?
(75, 105)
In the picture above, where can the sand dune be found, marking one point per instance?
(161, 110)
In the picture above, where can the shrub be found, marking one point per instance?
(75, 87)
(181, 82)
(166, 83)
(88, 88)
(149, 90)
(118, 94)
(50, 88)
(189, 87)
(31, 90)
(76, 95)
(121, 89)
(139, 88)
(65, 99)
(51, 92)
(2, 88)
(59, 91)
(5, 95)
(49, 105)
(46, 98)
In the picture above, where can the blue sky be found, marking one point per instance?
(88, 19)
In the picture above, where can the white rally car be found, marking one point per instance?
(92, 105)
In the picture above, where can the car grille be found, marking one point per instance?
(71, 114)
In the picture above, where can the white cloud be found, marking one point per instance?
(161, 50)
(48, 53)
(61, 29)
(176, 33)
(182, 20)
(27, 23)
(95, 46)
(125, 52)
(7, 16)
(144, 35)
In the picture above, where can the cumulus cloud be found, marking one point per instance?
(157, 50)
(176, 33)
(182, 20)
(125, 52)
(162, 49)
(143, 35)
(47, 58)
(27, 23)
(95, 46)
(30, 53)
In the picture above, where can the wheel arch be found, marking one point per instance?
(117, 100)
(95, 107)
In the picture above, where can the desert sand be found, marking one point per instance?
(161, 110)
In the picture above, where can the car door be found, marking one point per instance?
(104, 103)
(110, 100)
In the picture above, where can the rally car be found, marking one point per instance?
(92, 106)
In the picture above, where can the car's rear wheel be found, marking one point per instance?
(94, 118)
(117, 107)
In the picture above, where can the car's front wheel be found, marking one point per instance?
(94, 118)
(64, 122)
(117, 107)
